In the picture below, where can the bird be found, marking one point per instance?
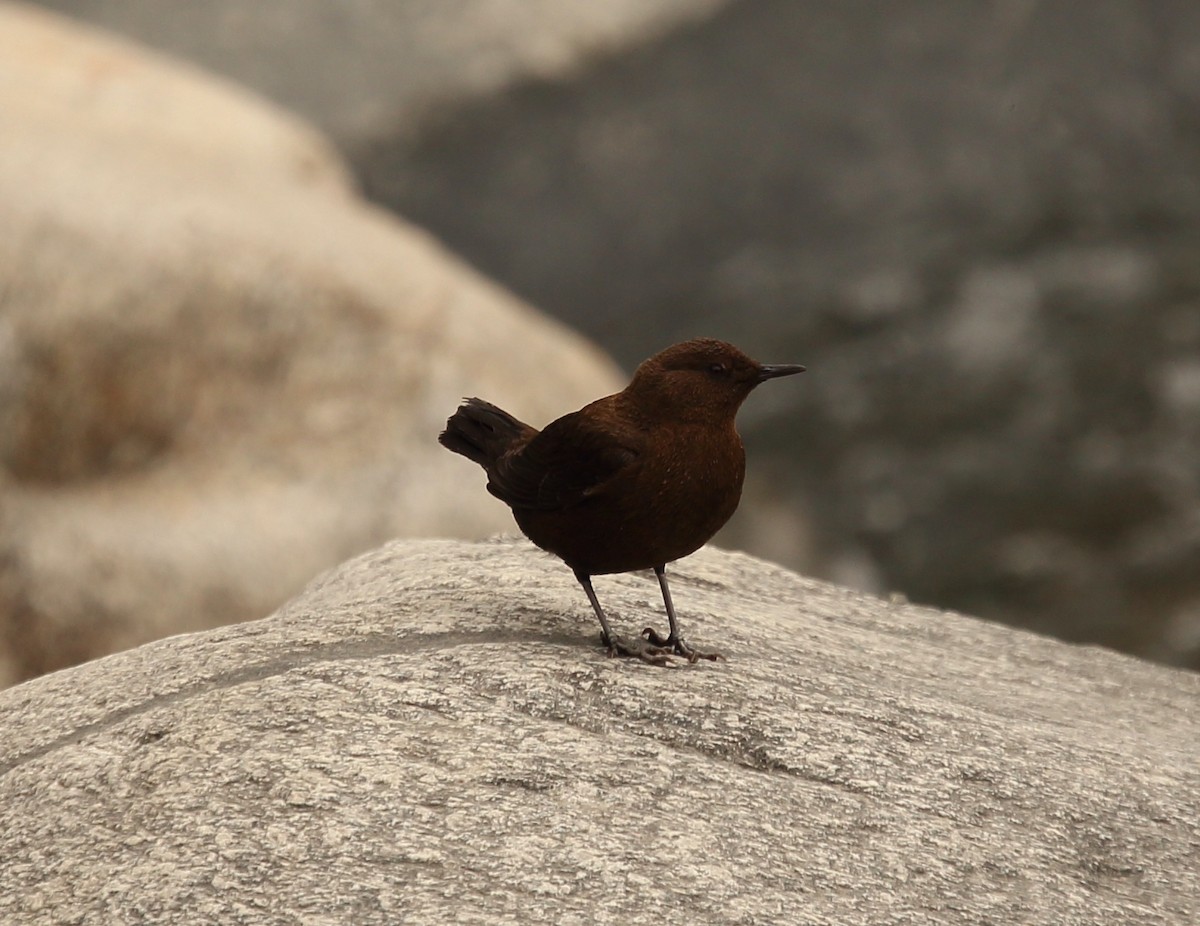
(631, 481)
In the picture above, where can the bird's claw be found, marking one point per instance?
(680, 646)
(653, 653)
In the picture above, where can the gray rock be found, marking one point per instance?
(432, 733)
(221, 372)
(975, 223)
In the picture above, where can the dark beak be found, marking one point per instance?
(771, 370)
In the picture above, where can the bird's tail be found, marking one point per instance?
(481, 432)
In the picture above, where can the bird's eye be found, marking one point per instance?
(718, 368)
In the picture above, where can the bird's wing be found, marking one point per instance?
(572, 459)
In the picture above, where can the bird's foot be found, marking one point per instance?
(679, 645)
(637, 648)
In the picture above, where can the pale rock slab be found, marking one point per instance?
(432, 733)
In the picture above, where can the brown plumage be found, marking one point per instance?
(632, 481)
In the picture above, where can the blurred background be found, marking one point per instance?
(977, 222)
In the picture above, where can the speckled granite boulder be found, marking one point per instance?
(432, 733)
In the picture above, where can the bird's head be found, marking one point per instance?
(700, 379)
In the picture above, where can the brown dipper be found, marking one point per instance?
(632, 481)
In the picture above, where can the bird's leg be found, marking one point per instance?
(653, 653)
(674, 640)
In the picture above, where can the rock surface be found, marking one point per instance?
(432, 733)
(220, 371)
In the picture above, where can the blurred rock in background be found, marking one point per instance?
(977, 223)
(221, 372)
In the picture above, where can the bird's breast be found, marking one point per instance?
(699, 487)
